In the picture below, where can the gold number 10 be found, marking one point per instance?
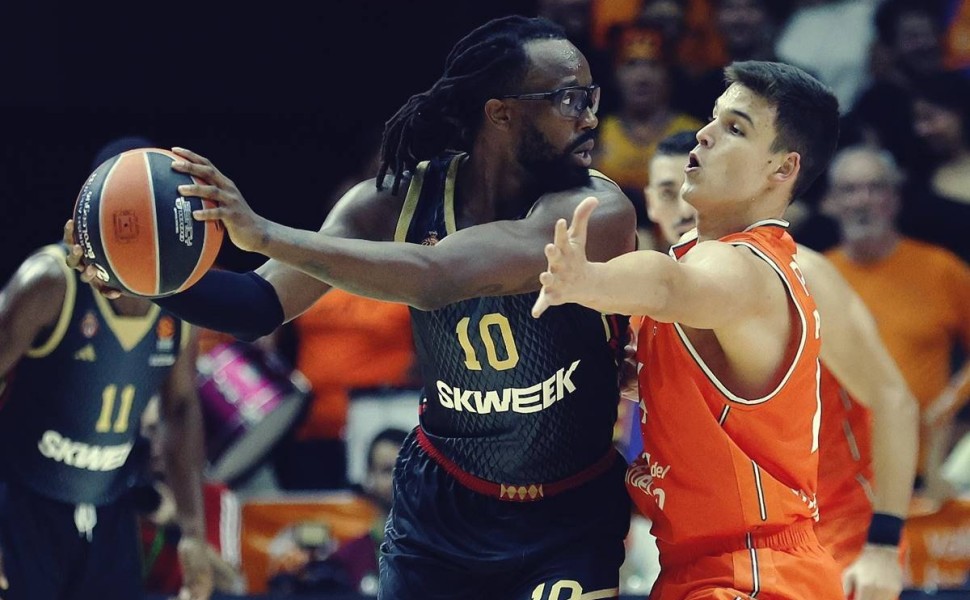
(484, 330)
(107, 409)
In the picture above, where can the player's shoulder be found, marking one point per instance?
(46, 268)
(368, 210)
(612, 199)
(809, 259)
(369, 191)
(39, 287)
(746, 261)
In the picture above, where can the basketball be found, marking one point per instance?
(138, 231)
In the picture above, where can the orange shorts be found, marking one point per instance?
(786, 565)
(844, 537)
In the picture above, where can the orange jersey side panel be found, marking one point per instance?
(715, 464)
(844, 472)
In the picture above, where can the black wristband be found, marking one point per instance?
(241, 304)
(885, 530)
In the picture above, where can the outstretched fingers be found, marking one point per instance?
(565, 256)
(580, 225)
(198, 166)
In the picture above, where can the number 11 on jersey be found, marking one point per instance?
(108, 395)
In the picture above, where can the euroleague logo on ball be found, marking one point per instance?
(126, 225)
(183, 220)
(82, 232)
(81, 214)
(137, 229)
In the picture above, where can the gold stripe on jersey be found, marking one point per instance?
(410, 202)
(67, 308)
(449, 200)
(599, 175)
(128, 330)
(186, 332)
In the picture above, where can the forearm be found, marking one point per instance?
(361, 267)
(184, 458)
(895, 440)
(961, 384)
(636, 283)
(935, 448)
(403, 273)
(951, 399)
(241, 304)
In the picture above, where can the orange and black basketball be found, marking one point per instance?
(138, 231)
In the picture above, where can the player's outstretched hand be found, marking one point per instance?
(89, 273)
(875, 575)
(565, 277)
(196, 569)
(247, 230)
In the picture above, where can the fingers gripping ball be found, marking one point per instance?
(138, 231)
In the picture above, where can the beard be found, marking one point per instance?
(550, 169)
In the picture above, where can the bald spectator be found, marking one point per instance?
(918, 293)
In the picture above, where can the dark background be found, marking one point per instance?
(284, 97)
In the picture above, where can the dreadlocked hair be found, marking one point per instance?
(484, 64)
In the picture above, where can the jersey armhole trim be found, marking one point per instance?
(451, 225)
(67, 307)
(184, 339)
(731, 396)
(410, 203)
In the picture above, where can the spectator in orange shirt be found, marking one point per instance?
(628, 138)
(918, 293)
(344, 342)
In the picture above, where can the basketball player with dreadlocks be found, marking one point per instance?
(510, 486)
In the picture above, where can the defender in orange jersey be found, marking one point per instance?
(869, 435)
(729, 348)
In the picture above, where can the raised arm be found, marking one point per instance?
(717, 286)
(253, 304)
(496, 258)
(854, 352)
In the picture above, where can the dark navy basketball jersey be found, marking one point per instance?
(509, 398)
(73, 404)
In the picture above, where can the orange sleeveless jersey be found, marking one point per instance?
(714, 464)
(844, 472)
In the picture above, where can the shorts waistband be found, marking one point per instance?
(790, 536)
(515, 492)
